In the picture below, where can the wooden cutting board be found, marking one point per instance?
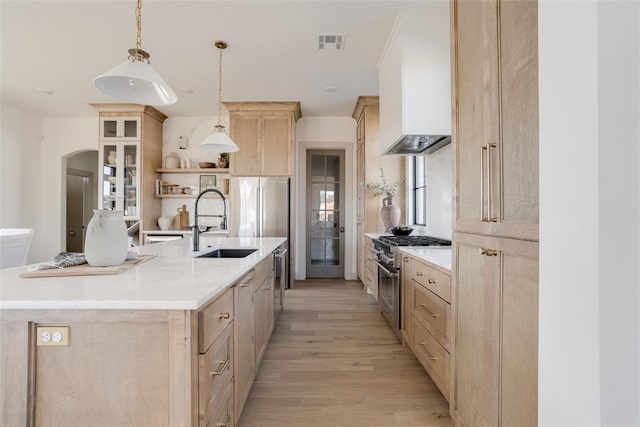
(87, 270)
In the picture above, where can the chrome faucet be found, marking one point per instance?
(223, 224)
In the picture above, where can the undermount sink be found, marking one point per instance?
(228, 253)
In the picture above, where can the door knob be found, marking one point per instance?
(342, 229)
(72, 233)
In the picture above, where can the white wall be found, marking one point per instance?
(20, 174)
(325, 133)
(589, 217)
(619, 213)
(61, 137)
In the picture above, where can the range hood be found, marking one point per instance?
(416, 145)
(415, 82)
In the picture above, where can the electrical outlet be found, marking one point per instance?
(52, 335)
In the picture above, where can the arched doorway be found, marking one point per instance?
(80, 197)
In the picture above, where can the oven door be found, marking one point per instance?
(389, 295)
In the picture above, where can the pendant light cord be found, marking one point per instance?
(220, 89)
(137, 54)
(139, 25)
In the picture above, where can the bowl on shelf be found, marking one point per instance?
(401, 231)
(206, 165)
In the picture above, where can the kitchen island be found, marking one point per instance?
(154, 345)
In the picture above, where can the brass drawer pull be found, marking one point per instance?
(428, 355)
(423, 305)
(431, 281)
(489, 180)
(483, 176)
(223, 366)
(419, 273)
(224, 316)
(405, 259)
(488, 252)
(222, 424)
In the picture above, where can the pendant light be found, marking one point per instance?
(219, 140)
(134, 80)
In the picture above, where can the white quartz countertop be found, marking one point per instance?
(439, 256)
(174, 280)
(376, 235)
(182, 232)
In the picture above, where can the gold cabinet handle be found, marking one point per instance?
(224, 316)
(419, 273)
(223, 365)
(423, 305)
(428, 355)
(489, 181)
(405, 259)
(222, 424)
(483, 175)
(431, 281)
(488, 252)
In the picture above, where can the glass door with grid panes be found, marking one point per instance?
(325, 214)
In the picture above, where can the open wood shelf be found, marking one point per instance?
(194, 170)
(187, 196)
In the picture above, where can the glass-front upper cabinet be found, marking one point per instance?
(120, 178)
(120, 128)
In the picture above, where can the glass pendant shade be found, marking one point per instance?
(136, 82)
(219, 141)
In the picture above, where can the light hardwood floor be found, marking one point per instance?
(334, 361)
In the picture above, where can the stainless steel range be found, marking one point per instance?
(389, 262)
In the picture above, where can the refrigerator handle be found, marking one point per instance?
(260, 211)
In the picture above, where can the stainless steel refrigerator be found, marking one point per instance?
(260, 207)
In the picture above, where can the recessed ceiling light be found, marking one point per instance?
(44, 91)
(186, 90)
(330, 88)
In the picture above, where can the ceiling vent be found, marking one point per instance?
(331, 42)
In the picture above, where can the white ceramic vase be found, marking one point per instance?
(111, 158)
(390, 214)
(164, 222)
(106, 243)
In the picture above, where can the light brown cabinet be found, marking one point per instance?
(496, 117)
(495, 274)
(496, 331)
(427, 319)
(264, 316)
(153, 367)
(265, 133)
(371, 268)
(215, 362)
(120, 367)
(134, 133)
(251, 332)
(368, 164)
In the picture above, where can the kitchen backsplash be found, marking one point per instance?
(439, 186)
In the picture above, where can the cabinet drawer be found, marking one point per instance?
(215, 372)
(433, 313)
(222, 414)
(213, 319)
(432, 356)
(435, 280)
(263, 270)
(371, 279)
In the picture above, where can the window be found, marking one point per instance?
(418, 190)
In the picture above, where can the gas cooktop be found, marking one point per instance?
(414, 241)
